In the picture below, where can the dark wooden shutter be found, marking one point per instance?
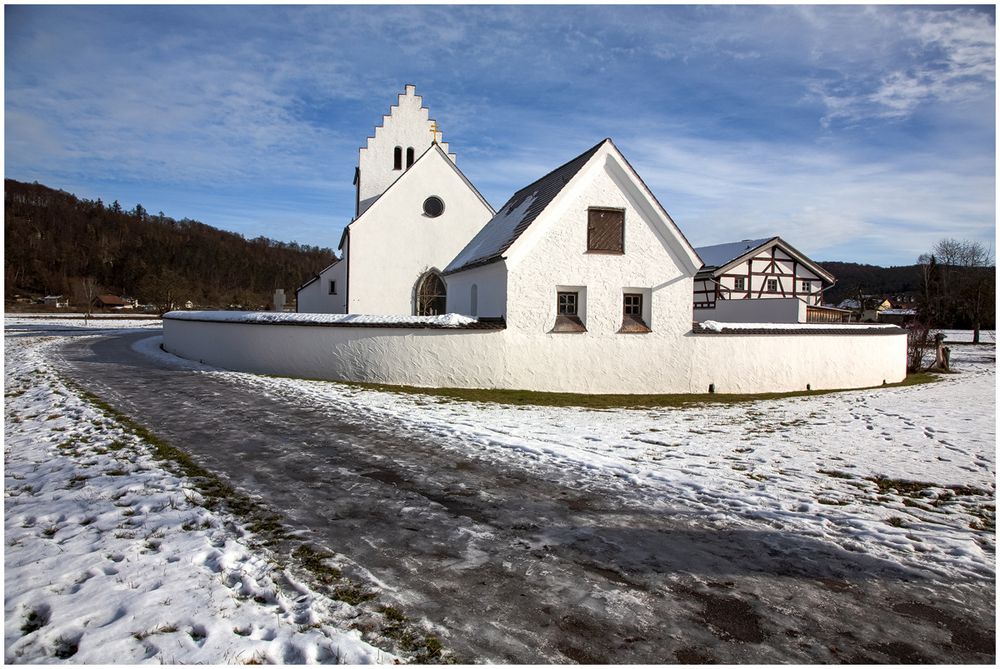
(606, 230)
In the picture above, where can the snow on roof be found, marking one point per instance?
(720, 254)
(497, 234)
(517, 214)
(278, 317)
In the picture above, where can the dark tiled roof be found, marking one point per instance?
(502, 231)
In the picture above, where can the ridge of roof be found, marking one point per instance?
(514, 217)
(753, 245)
(318, 275)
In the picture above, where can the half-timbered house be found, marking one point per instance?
(738, 277)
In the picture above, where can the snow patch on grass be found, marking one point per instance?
(110, 558)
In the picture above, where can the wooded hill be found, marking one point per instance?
(56, 243)
(853, 278)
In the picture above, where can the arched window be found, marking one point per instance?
(409, 156)
(431, 295)
(397, 158)
(474, 301)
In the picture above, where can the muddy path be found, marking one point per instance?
(513, 563)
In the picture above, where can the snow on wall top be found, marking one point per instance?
(720, 254)
(283, 318)
(845, 328)
(517, 214)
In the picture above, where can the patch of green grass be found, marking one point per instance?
(532, 398)
(76, 481)
(353, 594)
(392, 613)
(162, 629)
(315, 561)
(65, 647)
(901, 486)
(34, 620)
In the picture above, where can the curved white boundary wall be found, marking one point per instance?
(470, 358)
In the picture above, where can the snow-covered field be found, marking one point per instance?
(110, 558)
(905, 474)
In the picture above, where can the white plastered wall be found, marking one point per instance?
(556, 255)
(316, 297)
(775, 310)
(505, 359)
(491, 291)
(395, 243)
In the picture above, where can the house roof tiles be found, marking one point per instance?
(517, 214)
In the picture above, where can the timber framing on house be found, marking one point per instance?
(758, 269)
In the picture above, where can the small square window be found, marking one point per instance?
(772, 285)
(807, 286)
(606, 230)
(632, 313)
(567, 303)
(739, 283)
(333, 287)
(567, 313)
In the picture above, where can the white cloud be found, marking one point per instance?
(925, 56)
(826, 202)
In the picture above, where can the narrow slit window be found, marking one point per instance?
(409, 156)
(333, 287)
(397, 158)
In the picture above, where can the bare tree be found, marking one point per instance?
(958, 285)
(87, 290)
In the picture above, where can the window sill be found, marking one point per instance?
(568, 324)
(634, 327)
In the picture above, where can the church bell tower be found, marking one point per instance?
(406, 132)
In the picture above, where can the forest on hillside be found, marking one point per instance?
(905, 281)
(58, 244)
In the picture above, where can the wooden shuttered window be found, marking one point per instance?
(606, 230)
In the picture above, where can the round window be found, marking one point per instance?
(433, 206)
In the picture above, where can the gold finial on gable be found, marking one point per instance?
(435, 130)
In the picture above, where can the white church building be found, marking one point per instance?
(581, 282)
(414, 211)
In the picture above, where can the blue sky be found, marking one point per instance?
(856, 133)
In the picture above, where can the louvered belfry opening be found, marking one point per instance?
(606, 230)
(431, 296)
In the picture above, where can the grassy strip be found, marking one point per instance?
(270, 529)
(533, 398)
